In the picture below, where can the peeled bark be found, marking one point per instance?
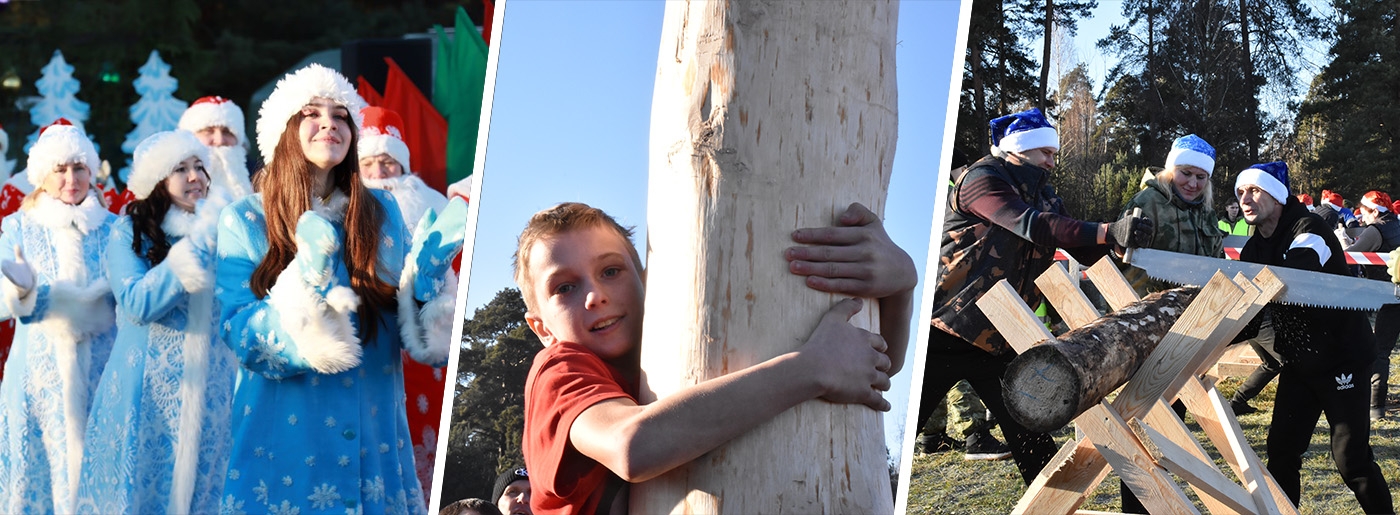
(767, 116)
(1051, 383)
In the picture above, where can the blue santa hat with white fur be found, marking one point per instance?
(1024, 131)
(1191, 150)
(1270, 177)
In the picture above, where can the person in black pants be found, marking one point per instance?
(1004, 221)
(1263, 345)
(1326, 353)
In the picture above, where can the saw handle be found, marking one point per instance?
(1128, 251)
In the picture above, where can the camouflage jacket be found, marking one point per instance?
(1180, 227)
(1003, 222)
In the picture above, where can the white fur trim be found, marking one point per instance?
(192, 386)
(60, 144)
(320, 326)
(52, 213)
(215, 114)
(1335, 207)
(1367, 202)
(158, 155)
(71, 307)
(426, 332)
(414, 196)
(333, 208)
(1262, 179)
(228, 172)
(1187, 157)
(1309, 240)
(178, 222)
(20, 304)
(371, 146)
(194, 276)
(293, 92)
(1041, 137)
(462, 188)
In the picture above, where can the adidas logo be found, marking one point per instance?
(1344, 382)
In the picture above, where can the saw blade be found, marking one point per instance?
(1302, 287)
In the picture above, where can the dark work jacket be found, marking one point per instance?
(1003, 222)
(1308, 338)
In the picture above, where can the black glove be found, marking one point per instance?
(1131, 232)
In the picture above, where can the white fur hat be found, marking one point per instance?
(214, 111)
(293, 92)
(158, 155)
(383, 134)
(58, 144)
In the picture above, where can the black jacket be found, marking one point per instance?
(1314, 339)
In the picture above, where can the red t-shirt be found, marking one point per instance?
(565, 379)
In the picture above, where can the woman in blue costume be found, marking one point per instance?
(158, 437)
(51, 253)
(320, 290)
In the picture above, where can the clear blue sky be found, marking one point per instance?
(570, 123)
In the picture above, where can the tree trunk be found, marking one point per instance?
(1045, 55)
(1253, 107)
(979, 91)
(767, 116)
(1053, 382)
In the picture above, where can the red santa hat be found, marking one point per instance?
(60, 143)
(158, 155)
(296, 90)
(382, 133)
(1333, 198)
(214, 111)
(1376, 200)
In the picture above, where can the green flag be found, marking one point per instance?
(457, 92)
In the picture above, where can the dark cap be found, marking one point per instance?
(505, 479)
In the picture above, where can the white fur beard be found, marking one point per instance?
(228, 170)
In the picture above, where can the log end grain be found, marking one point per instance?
(1042, 389)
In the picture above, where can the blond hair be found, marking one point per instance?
(562, 218)
(1168, 175)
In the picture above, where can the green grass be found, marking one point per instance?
(944, 483)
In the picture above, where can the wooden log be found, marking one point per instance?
(767, 116)
(1049, 384)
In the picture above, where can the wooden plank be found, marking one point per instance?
(1012, 318)
(1164, 420)
(1111, 284)
(1201, 474)
(1213, 414)
(1170, 359)
(1062, 292)
(1118, 445)
(1062, 485)
(1064, 482)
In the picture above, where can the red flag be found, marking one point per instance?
(425, 130)
(487, 14)
(367, 92)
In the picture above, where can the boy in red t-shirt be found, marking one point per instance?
(586, 437)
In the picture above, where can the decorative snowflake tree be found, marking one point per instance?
(57, 87)
(157, 110)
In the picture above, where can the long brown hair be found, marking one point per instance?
(146, 217)
(286, 184)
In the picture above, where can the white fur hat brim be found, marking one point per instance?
(1043, 137)
(215, 114)
(1262, 179)
(295, 91)
(59, 145)
(158, 155)
(371, 146)
(1187, 157)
